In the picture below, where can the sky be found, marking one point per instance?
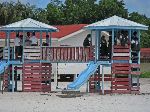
(141, 6)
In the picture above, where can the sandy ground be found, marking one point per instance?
(50, 102)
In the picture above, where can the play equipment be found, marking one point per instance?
(36, 60)
(83, 76)
(10, 65)
(124, 61)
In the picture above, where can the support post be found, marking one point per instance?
(91, 37)
(99, 44)
(139, 38)
(130, 61)
(87, 86)
(8, 44)
(139, 56)
(102, 80)
(6, 39)
(23, 46)
(0, 84)
(96, 45)
(13, 78)
(55, 76)
(50, 39)
(113, 36)
(130, 34)
(40, 39)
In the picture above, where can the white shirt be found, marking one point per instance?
(17, 41)
(33, 40)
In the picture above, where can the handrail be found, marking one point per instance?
(67, 54)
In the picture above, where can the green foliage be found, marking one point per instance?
(145, 35)
(108, 8)
(72, 12)
(145, 75)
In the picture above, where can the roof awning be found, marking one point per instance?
(116, 22)
(28, 25)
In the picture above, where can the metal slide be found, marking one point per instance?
(84, 76)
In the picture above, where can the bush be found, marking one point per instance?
(145, 75)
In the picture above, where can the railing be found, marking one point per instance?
(5, 53)
(67, 54)
(32, 53)
(145, 55)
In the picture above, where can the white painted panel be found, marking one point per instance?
(71, 68)
(76, 68)
(121, 54)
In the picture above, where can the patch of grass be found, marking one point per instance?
(145, 75)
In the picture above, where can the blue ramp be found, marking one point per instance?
(84, 76)
(3, 65)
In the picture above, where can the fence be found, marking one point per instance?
(145, 55)
(67, 54)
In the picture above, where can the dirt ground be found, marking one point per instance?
(50, 102)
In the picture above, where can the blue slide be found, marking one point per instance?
(4, 64)
(84, 76)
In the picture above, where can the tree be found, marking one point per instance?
(145, 35)
(108, 8)
(54, 12)
(80, 11)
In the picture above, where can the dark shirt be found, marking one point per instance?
(86, 42)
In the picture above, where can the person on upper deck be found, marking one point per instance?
(34, 40)
(86, 42)
(104, 50)
(17, 45)
(135, 42)
(27, 40)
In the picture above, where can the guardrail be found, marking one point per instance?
(67, 54)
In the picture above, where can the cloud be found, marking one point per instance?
(141, 6)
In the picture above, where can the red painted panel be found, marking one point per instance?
(121, 58)
(120, 79)
(121, 47)
(121, 72)
(121, 50)
(121, 87)
(121, 91)
(120, 83)
(135, 73)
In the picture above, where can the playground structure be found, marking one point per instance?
(36, 60)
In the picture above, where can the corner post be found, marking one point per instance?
(8, 44)
(40, 39)
(139, 56)
(102, 79)
(113, 36)
(13, 78)
(23, 46)
(50, 39)
(96, 45)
